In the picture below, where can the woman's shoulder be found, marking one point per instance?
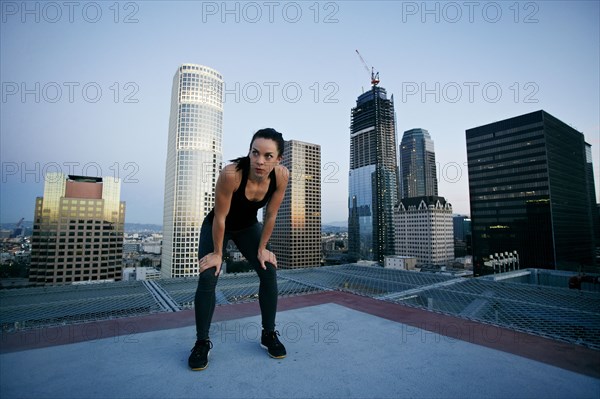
(231, 175)
(282, 174)
(281, 169)
(230, 168)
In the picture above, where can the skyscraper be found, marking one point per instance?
(296, 238)
(78, 230)
(373, 176)
(417, 165)
(530, 192)
(194, 157)
(423, 220)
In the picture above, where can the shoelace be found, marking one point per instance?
(200, 345)
(273, 336)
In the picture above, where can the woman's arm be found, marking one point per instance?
(265, 255)
(227, 183)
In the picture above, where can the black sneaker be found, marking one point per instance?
(199, 358)
(271, 343)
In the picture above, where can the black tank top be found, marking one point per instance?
(242, 211)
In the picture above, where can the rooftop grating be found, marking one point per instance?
(528, 302)
(47, 306)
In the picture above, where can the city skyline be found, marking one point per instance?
(88, 80)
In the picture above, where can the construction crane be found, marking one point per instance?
(374, 76)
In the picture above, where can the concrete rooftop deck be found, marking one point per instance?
(340, 345)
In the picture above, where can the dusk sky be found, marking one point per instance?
(86, 86)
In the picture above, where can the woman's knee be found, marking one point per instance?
(207, 280)
(270, 273)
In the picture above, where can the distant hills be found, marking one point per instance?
(331, 227)
(343, 223)
(129, 227)
(142, 228)
(12, 225)
(334, 227)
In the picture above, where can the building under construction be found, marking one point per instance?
(373, 177)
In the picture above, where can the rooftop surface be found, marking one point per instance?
(350, 331)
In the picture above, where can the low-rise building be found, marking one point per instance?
(400, 262)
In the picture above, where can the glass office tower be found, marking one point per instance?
(194, 157)
(530, 192)
(417, 165)
(373, 177)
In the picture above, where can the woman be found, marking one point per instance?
(243, 187)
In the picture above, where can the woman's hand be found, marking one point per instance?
(264, 255)
(212, 259)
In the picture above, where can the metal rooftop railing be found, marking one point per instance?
(534, 301)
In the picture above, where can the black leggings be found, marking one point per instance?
(247, 241)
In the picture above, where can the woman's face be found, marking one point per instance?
(263, 157)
